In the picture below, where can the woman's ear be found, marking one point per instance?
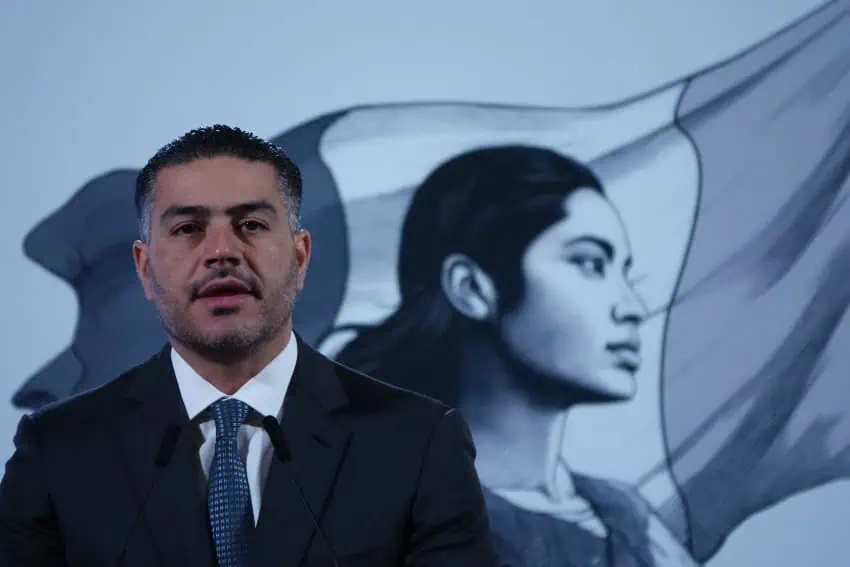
(469, 288)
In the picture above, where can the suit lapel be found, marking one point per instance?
(175, 516)
(317, 443)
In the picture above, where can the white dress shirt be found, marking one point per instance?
(264, 393)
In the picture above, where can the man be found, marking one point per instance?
(173, 462)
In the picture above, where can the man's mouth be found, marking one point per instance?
(224, 288)
(225, 296)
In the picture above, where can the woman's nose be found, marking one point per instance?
(630, 308)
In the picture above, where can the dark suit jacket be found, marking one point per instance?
(389, 473)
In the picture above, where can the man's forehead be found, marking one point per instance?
(231, 209)
(215, 183)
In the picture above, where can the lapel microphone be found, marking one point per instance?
(162, 460)
(281, 449)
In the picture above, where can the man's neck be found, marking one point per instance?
(229, 376)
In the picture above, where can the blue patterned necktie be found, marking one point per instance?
(230, 511)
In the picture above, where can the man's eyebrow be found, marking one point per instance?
(259, 206)
(202, 211)
(185, 211)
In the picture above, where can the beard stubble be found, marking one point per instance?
(276, 307)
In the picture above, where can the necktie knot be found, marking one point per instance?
(229, 414)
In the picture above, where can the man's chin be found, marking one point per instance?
(225, 349)
(225, 340)
(223, 323)
(213, 311)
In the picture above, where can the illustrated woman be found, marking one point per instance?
(516, 306)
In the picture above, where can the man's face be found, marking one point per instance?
(579, 317)
(222, 265)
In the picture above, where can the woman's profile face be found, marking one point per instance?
(578, 319)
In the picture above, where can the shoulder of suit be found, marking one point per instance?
(88, 408)
(364, 390)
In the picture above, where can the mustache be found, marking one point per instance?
(222, 273)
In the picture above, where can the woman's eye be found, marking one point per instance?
(591, 266)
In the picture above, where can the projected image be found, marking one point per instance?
(641, 308)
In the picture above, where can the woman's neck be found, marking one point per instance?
(518, 442)
(526, 456)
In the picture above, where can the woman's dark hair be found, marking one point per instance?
(488, 204)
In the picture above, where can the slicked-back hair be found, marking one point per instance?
(215, 141)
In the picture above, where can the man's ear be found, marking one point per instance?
(142, 260)
(303, 250)
(469, 288)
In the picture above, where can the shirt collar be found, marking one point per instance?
(264, 393)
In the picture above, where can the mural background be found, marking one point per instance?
(372, 99)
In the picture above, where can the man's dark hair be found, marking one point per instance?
(215, 141)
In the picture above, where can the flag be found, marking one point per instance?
(755, 390)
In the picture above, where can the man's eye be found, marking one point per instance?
(188, 228)
(252, 226)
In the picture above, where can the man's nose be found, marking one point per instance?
(221, 249)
